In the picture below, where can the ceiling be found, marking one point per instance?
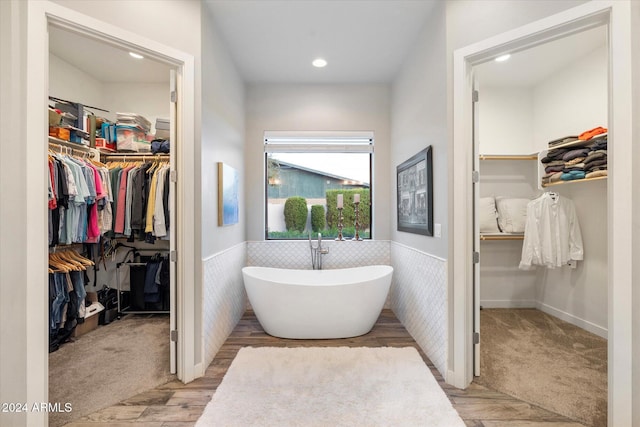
(104, 62)
(528, 67)
(364, 41)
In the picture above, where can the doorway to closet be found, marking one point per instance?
(543, 331)
(123, 343)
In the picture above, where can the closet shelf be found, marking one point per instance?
(578, 143)
(502, 236)
(508, 157)
(597, 178)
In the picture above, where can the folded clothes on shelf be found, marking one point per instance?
(597, 173)
(578, 152)
(563, 140)
(570, 176)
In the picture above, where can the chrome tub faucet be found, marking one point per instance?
(317, 252)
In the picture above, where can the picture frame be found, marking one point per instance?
(228, 188)
(414, 186)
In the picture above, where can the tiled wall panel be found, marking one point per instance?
(296, 254)
(419, 300)
(224, 297)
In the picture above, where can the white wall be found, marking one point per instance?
(502, 283)
(21, 371)
(151, 100)
(418, 118)
(505, 125)
(469, 21)
(70, 83)
(580, 296)
(570, 102)
(635, 37)
(509, 178)
(317, 107)
(223, 137)
(147, 17)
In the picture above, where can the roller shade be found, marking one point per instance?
(320, 142)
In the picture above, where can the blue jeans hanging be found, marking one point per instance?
(59, 300)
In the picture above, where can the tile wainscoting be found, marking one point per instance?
(296, 254)
(224, 297)
(419, 300)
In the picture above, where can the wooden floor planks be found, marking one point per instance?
(179, 405)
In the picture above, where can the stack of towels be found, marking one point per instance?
(586, 159)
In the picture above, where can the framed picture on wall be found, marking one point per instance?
(415, 194)
(227, 195)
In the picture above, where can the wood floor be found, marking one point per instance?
(180, 405)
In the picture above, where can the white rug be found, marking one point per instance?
(329, 386)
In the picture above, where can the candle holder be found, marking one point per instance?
(357, 223)
(340, 238)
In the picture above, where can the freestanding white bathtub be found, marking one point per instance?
(317, 304)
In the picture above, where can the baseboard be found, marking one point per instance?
(574, 320)
(508, 304)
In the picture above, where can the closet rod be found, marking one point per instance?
(70, 147)
(507, 157)
(63, 247)
(134, 156)
(504, 237)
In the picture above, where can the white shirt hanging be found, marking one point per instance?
(552, 233)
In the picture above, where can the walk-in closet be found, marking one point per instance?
(540, 224)
(111, 223)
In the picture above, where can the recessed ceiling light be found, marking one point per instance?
(319, 63)
(503, 58)
(136, 55)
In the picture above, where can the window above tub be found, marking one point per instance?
(321, 168)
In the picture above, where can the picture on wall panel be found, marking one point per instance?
(228, 184)
(415, 194)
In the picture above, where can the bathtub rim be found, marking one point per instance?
(349, 275)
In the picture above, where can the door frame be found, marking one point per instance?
(475, 162)
(617, 16)
(39, 15)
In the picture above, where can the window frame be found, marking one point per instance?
(317, 142)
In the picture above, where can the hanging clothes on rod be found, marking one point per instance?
(552, 236)
(67, 281)
(149, 283)
(79, 199)
(141, 199)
